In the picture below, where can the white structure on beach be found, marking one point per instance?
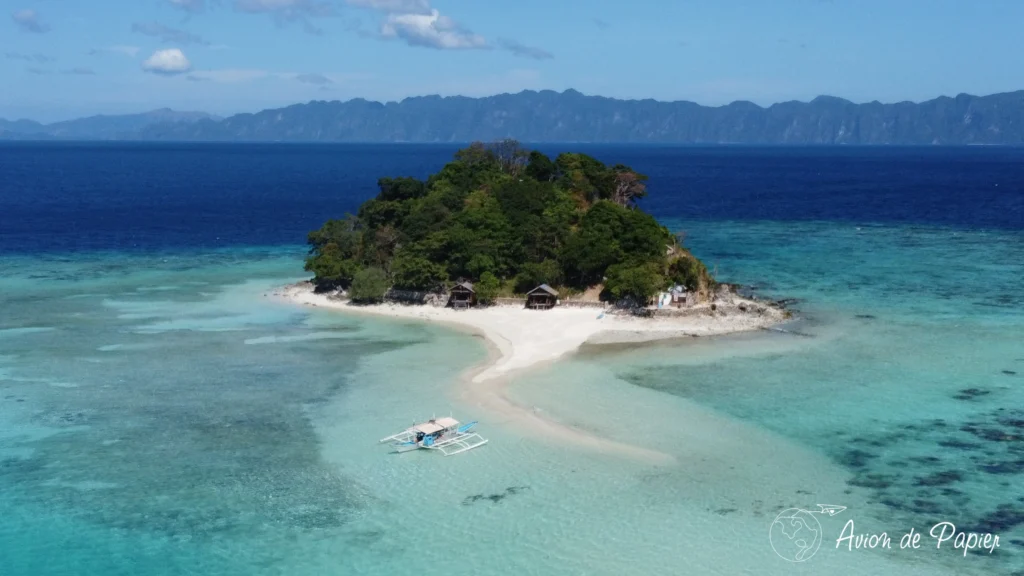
(678, 296)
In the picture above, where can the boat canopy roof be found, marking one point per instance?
(436, 425)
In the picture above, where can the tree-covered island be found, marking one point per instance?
(508, 220)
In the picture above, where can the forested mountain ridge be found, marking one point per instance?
(101, 127)
(570, 116)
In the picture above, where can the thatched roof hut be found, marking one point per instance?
(462, 295)
(542, 297)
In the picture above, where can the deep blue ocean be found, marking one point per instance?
(162, 414)
(56, 197)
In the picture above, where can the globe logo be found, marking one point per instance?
(795, 535)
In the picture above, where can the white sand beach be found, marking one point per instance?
(526, 338)
(520, 339)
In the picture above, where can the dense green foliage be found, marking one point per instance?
(487, 288)
(369, 285)
(504, 217)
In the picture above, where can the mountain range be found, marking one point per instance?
(570, 116)
(118, 127)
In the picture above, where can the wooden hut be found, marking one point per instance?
(542, 297)
(462, 295)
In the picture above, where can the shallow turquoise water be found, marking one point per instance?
(160, 415)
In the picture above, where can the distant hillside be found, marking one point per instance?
(570, 116)
(101, 127)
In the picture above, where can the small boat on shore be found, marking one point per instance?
(447, 435)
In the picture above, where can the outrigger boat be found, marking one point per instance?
(444, 434)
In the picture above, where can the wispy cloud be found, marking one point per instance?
(289, 11)
(168, 62)
(394, 6)
(168, 34)
(28, 21)
(37, 71)
(228, 76)
(194, 6)
(129, 51)
(316, 79)
(600, 23)
(416, 23)
(431, 31)
(245, 75)
(523, 50)
(40, 58)
(79, 72)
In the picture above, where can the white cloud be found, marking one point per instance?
(189, 5)
(431, 31)
(167, 34)
(28, 21)
(394, 6)
(417, 24)
(169, 62)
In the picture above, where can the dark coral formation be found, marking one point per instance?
(929, 471)
(494, 498)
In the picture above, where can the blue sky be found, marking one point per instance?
(62, 58)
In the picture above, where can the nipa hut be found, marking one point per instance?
(462, 295)
(542, 297)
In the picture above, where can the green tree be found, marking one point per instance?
(480, 235)
(411, 272)
(533, 274)
(487, 288)
(497, 210)
(345, 234)
(425, 217)
(540, 167)
(375, 213)
(400, 189)
(690, 272)
(331, 270)
(369, 286)
(639, 282)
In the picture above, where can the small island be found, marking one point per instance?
(538, 255)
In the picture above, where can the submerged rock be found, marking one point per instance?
(971, 393)
(939, 478)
